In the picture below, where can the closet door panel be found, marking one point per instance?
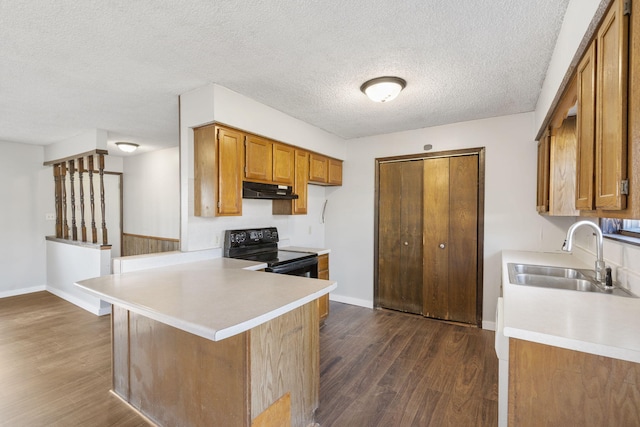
(411, 237)
(436, 238)
(389, 295)
(463, 238)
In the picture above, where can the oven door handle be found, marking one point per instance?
(295, 265)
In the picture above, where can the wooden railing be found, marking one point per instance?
(64, 174)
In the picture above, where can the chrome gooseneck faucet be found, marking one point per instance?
(568, 243)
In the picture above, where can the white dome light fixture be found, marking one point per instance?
(383, 89)
(127, 147)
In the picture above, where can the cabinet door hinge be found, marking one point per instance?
(218, 204)
(624, 187)
(626, 7)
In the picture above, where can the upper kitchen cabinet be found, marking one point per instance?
(542, 202)
(606, 117)
(611, 108)
(258, 163)
(301, 179)
(586, 129)
(218, 158)
(557, 160)
(268, 161)
(283, 164)
(335, 172)
(324, 170)
(606, 82)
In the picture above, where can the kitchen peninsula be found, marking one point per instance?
(213, 343)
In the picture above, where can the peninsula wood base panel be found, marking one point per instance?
(552, 386)
(177, 378)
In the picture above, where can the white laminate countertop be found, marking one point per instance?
(214, 299)
(306, 250)
(594, 323)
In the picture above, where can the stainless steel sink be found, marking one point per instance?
(542, 270)
(561, 278)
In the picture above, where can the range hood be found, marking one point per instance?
(256, 190)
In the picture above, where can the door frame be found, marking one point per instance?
(480, 152)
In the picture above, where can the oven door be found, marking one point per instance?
(307, 267)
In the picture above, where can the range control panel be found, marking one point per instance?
(250, 237)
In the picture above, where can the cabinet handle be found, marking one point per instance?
(406, 243)
(442, 245)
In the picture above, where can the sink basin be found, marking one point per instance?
(556, 282)
(543, 276)
(542, 270)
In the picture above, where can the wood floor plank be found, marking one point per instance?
(377, 368)
(56, 366)
(405, 369)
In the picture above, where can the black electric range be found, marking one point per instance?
(261, 245)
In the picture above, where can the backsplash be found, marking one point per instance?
(623, 258)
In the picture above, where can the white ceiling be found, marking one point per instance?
(70, 66)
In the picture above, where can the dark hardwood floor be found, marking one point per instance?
(384, 368)
(378, 368)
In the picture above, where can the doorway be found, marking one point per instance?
(429, 234)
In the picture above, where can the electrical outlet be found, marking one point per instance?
(310, 231)
(50, 216)
(217, 240)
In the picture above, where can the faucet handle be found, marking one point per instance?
(608, 281)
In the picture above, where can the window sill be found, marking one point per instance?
(635, 241)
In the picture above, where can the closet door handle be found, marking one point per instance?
(441, 245)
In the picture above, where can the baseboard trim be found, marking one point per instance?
(91, 308)
(22, 291)
(350, 300)
(488, 325)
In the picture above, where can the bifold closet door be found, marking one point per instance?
(451, 238)
(400, 236)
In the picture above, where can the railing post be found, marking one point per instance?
(74, 228)
(58, 191)
(105, 239)
(83, 227)
(63, 186)
(94, 231)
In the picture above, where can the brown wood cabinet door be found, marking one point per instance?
(301, 181)
(542, 204)
(318, 169)
(586, 74)
(205, 171)
(335, 172)
(562, 169)
(400, 236)
(451, 238)
(611, 108)
(230, 154)
(258, 159)
(283, 164)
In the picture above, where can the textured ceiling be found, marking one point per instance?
(67, 67)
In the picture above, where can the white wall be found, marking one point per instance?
(215, 103)
(68, 264)
(511, 221)
(151, 194)
(576, 21)
(26, 192)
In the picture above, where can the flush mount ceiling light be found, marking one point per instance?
(383, 89)
(127, 147)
